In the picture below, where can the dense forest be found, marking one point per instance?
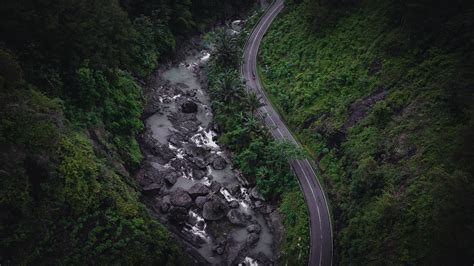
(381, 94)
(70, 106)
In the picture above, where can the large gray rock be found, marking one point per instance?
(215, 186)
(237, 217)
(198, 162)
(254, 228)
(171, 178)
(181, 198)
(214, 210)
(218, 162)
(199, 201)
(149, 174)
(178, 164)
(195, 151)
(234, 188)
(199, 174)
(255, 194)
(189, 107)
(163, 152)
(198, 189)
(152, 189)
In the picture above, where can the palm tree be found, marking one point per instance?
(226, 48)
(252, 125)
(229, 88)
(253, 102)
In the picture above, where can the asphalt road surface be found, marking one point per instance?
(320, 222)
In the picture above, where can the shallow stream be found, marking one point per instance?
(189, 137)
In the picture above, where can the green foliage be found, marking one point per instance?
(276, 177)
(60, 203)
(32, 121)
(379, 92)
(115, 100)
(295, 246)
(70, 109)
(226, 50)
(79, 172)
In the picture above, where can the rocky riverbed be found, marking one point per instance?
(188, 180)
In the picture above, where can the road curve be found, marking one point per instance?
(320, 221)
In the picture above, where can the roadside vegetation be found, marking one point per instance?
(257, 155)
(381, 95)
(70, 106)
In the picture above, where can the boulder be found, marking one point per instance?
(195, 151)
(233, 189)
(199, 201)
(152, 189)
(199, 174)
(178, 164)
(171, 178)
(198, 162)
(255, 194)
(214, 210)
(163, 152)
(150, 174)
(237, 217)
(181, 198)
(218, 162)
(198, 189)
(179, 214)
(254, 228)
(215, 186)
(189, 107)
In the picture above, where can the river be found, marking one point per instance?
(189, 180)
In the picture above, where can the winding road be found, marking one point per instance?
(320, 221)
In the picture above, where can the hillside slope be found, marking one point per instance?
(381, 94)
(70, 113)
